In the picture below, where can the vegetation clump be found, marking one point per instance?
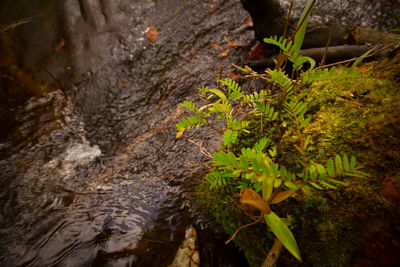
(289, 150)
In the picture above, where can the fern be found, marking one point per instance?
(279, 78)
(262, 144)
(327, 74)
(191, 122)
(255, 165)
(254, 97)
(234, 90)
(189, 105)
(291, 51)
(266, 110)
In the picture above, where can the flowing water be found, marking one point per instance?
(91, 172)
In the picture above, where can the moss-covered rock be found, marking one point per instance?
(357, 116)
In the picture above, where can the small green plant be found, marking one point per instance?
(257, 166)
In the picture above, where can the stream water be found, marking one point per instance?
(91, 172)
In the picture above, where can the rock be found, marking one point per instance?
(187, 254)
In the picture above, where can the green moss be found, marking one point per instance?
(231, 218)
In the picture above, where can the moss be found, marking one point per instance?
(230, 217)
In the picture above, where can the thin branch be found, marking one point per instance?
(179, 8)
(244, 210)
(241, 228)
(344, 61)
(328, 44)
(202, 149)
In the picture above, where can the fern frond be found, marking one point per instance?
(280, 79)
(291, 51)
(262, 144)
(327, 74)
(189, 105)
(266, 110)
(230, 137)
(283, 43)
(296, 108)
(191, 122)
(254, 97)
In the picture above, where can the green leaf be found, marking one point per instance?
(267, 187)
(358, 61)
(262, 144)
(305, 122)
(328, 185)
(313, 173)
(283, 233)
(346, 164)
(316, 186)
(283, 172)
(299, 37)
(321, 170)
(218, 93)
(338, 164)
(352, 162)
(229, 137)
(331, 168)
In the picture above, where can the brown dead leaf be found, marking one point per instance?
(60, 45)
(282, 196)
(224, 53)
(233, 44)
(234, 75)
(253, 199)
(248, 22)
(151, 34)
(257, 51)
(215, 46)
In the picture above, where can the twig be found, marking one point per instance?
(179, 8)
(202, 149)
(16, 23)
(328, 44)
(244, 211)
(287, 19)
(241, 228)
(344, 61)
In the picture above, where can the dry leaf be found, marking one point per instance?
(248, 22)
(234, 75)
(151, 34)
(282, 196)
(179, 134)
(60, 45)
(257, 51)
(216, 46)
(233, 44)
(224, 53)
(253, 199)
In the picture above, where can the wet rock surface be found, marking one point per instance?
(91, 172)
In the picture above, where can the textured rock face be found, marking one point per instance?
(268, 16)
